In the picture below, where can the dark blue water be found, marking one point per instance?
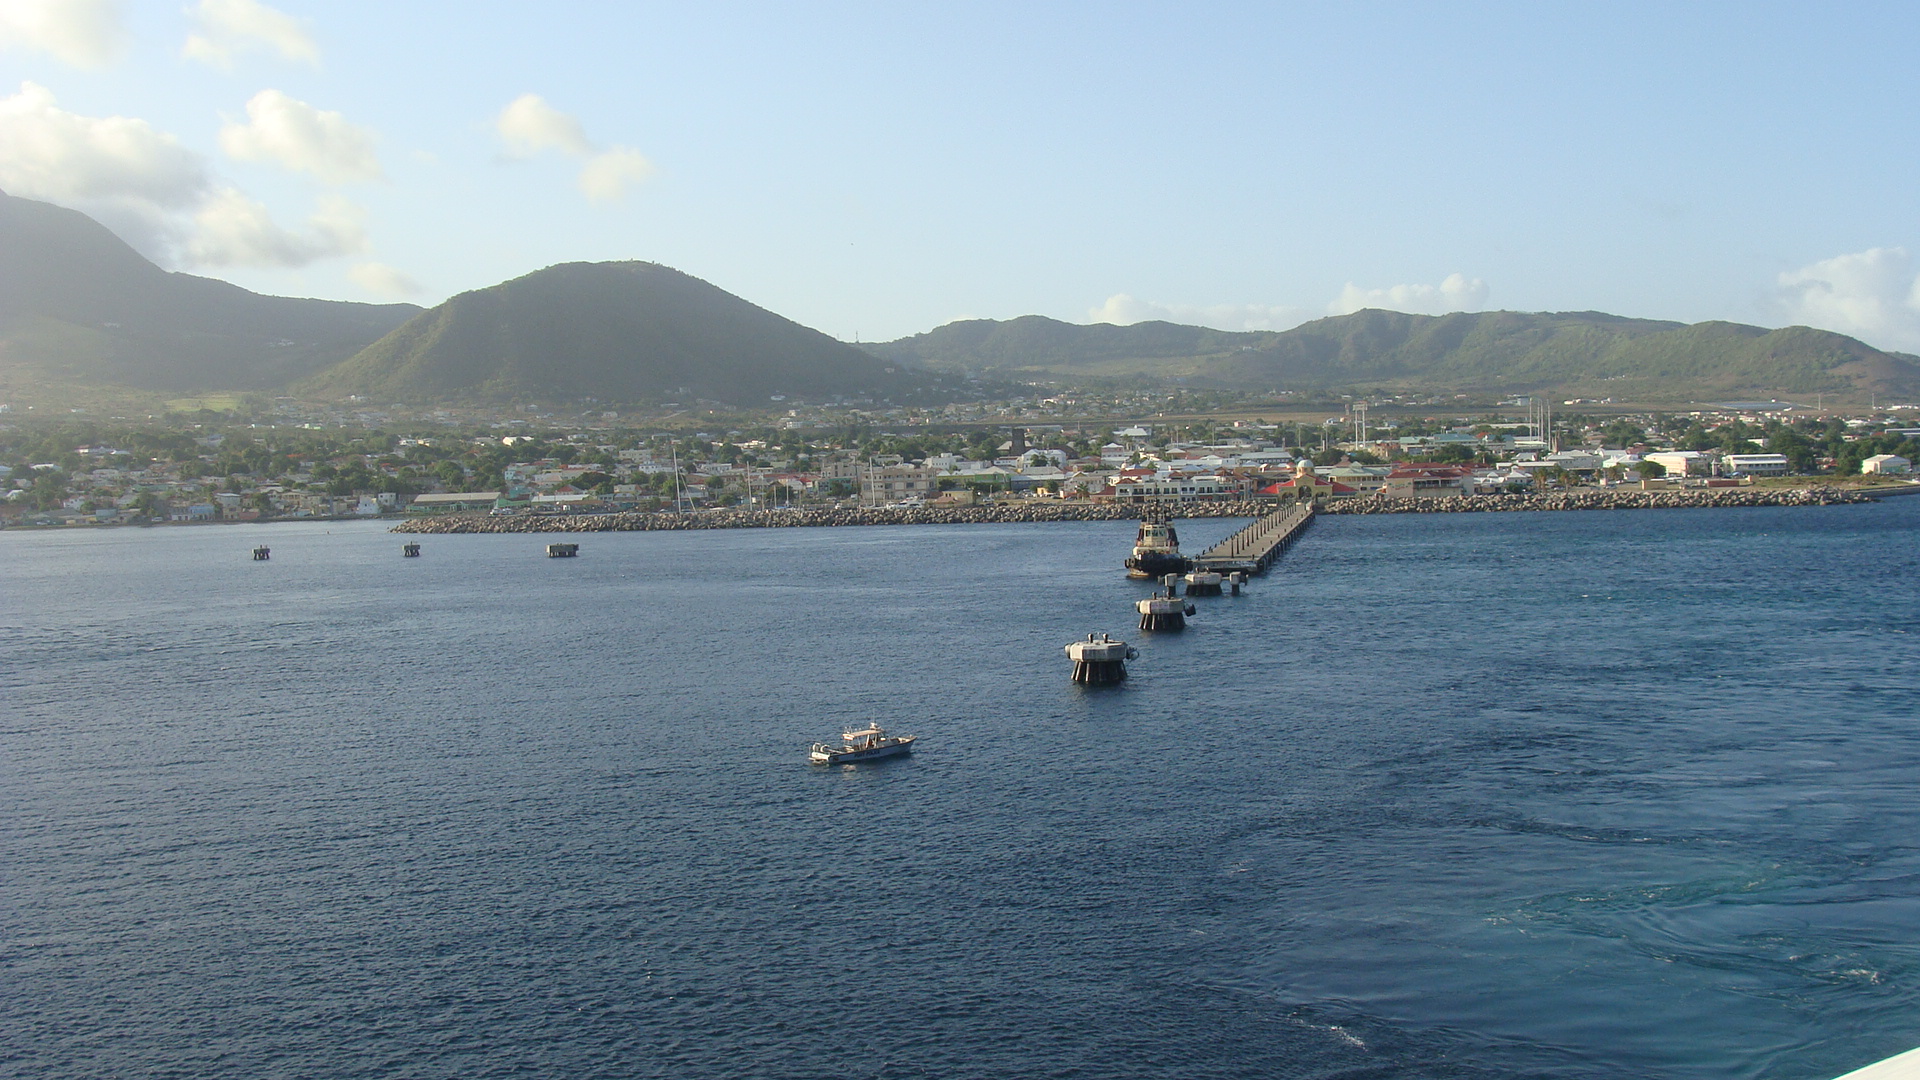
(1510, 795)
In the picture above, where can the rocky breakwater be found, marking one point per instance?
(1599, 500)
(635, 521)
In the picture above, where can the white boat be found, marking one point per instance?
(866, 744)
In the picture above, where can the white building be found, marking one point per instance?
(1682, 462)
(1886, 464)
(1756, 464)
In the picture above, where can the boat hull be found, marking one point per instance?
(873, 753)
(1156, 564)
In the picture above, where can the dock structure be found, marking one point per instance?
(1253, 549)
(1100, 660)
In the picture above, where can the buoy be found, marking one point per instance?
(261, 553)
(1164, 611)
(411, 551)
(1100, 660)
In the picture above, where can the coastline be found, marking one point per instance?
(643, 521)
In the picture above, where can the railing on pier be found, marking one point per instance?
(1253, 549)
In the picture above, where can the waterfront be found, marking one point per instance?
(1039, 510)
(1481, 795)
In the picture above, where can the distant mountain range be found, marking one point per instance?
(1493, 351)
(81, 309)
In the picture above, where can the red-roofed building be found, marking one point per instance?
(1416, 481)
(1307, 484)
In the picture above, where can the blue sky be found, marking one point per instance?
(879, 169)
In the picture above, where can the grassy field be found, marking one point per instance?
(213, 402)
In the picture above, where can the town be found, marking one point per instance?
(288, 461)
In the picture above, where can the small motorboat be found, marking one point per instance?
(866, 744)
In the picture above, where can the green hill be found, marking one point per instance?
(80, 307)
(622, 331)
(1493, 351)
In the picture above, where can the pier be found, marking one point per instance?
(1253, 549)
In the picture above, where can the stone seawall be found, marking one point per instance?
(1601, 500)
(634, 521)
(787, 519)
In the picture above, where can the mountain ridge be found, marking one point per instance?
(79, 305)
(1472, 351)
(615, 331)
(79, 308)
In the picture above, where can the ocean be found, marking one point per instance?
(1568, 795)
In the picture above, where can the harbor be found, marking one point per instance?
(1246, 805)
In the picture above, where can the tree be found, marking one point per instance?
(1794, 447)
(1650, 470)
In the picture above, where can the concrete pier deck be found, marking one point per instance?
(1253, 549)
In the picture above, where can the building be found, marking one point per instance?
(1168, 488)
(896, 483)
(1428, 481)
(1886, 464)
(1307, 483)
(1680, 463)
(1755, 464)
(453, 501)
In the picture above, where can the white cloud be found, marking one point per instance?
(157, 194)
(1124, 310)
(1456, 293)
(1873, 295)
(383, 280)
(233, 230)
(84, 33)
(230, 27)
(605, 176)
(296, 136)
(115, 168)
(529, 126)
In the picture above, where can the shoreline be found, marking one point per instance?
(1042, 511)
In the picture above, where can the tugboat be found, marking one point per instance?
(1156, 550)
(867, 744)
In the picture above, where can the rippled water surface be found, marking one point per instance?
(1566, 795)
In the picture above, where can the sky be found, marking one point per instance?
(876, 170)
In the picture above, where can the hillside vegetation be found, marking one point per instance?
(621, 331)
(1483, 351)
(78, 306)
